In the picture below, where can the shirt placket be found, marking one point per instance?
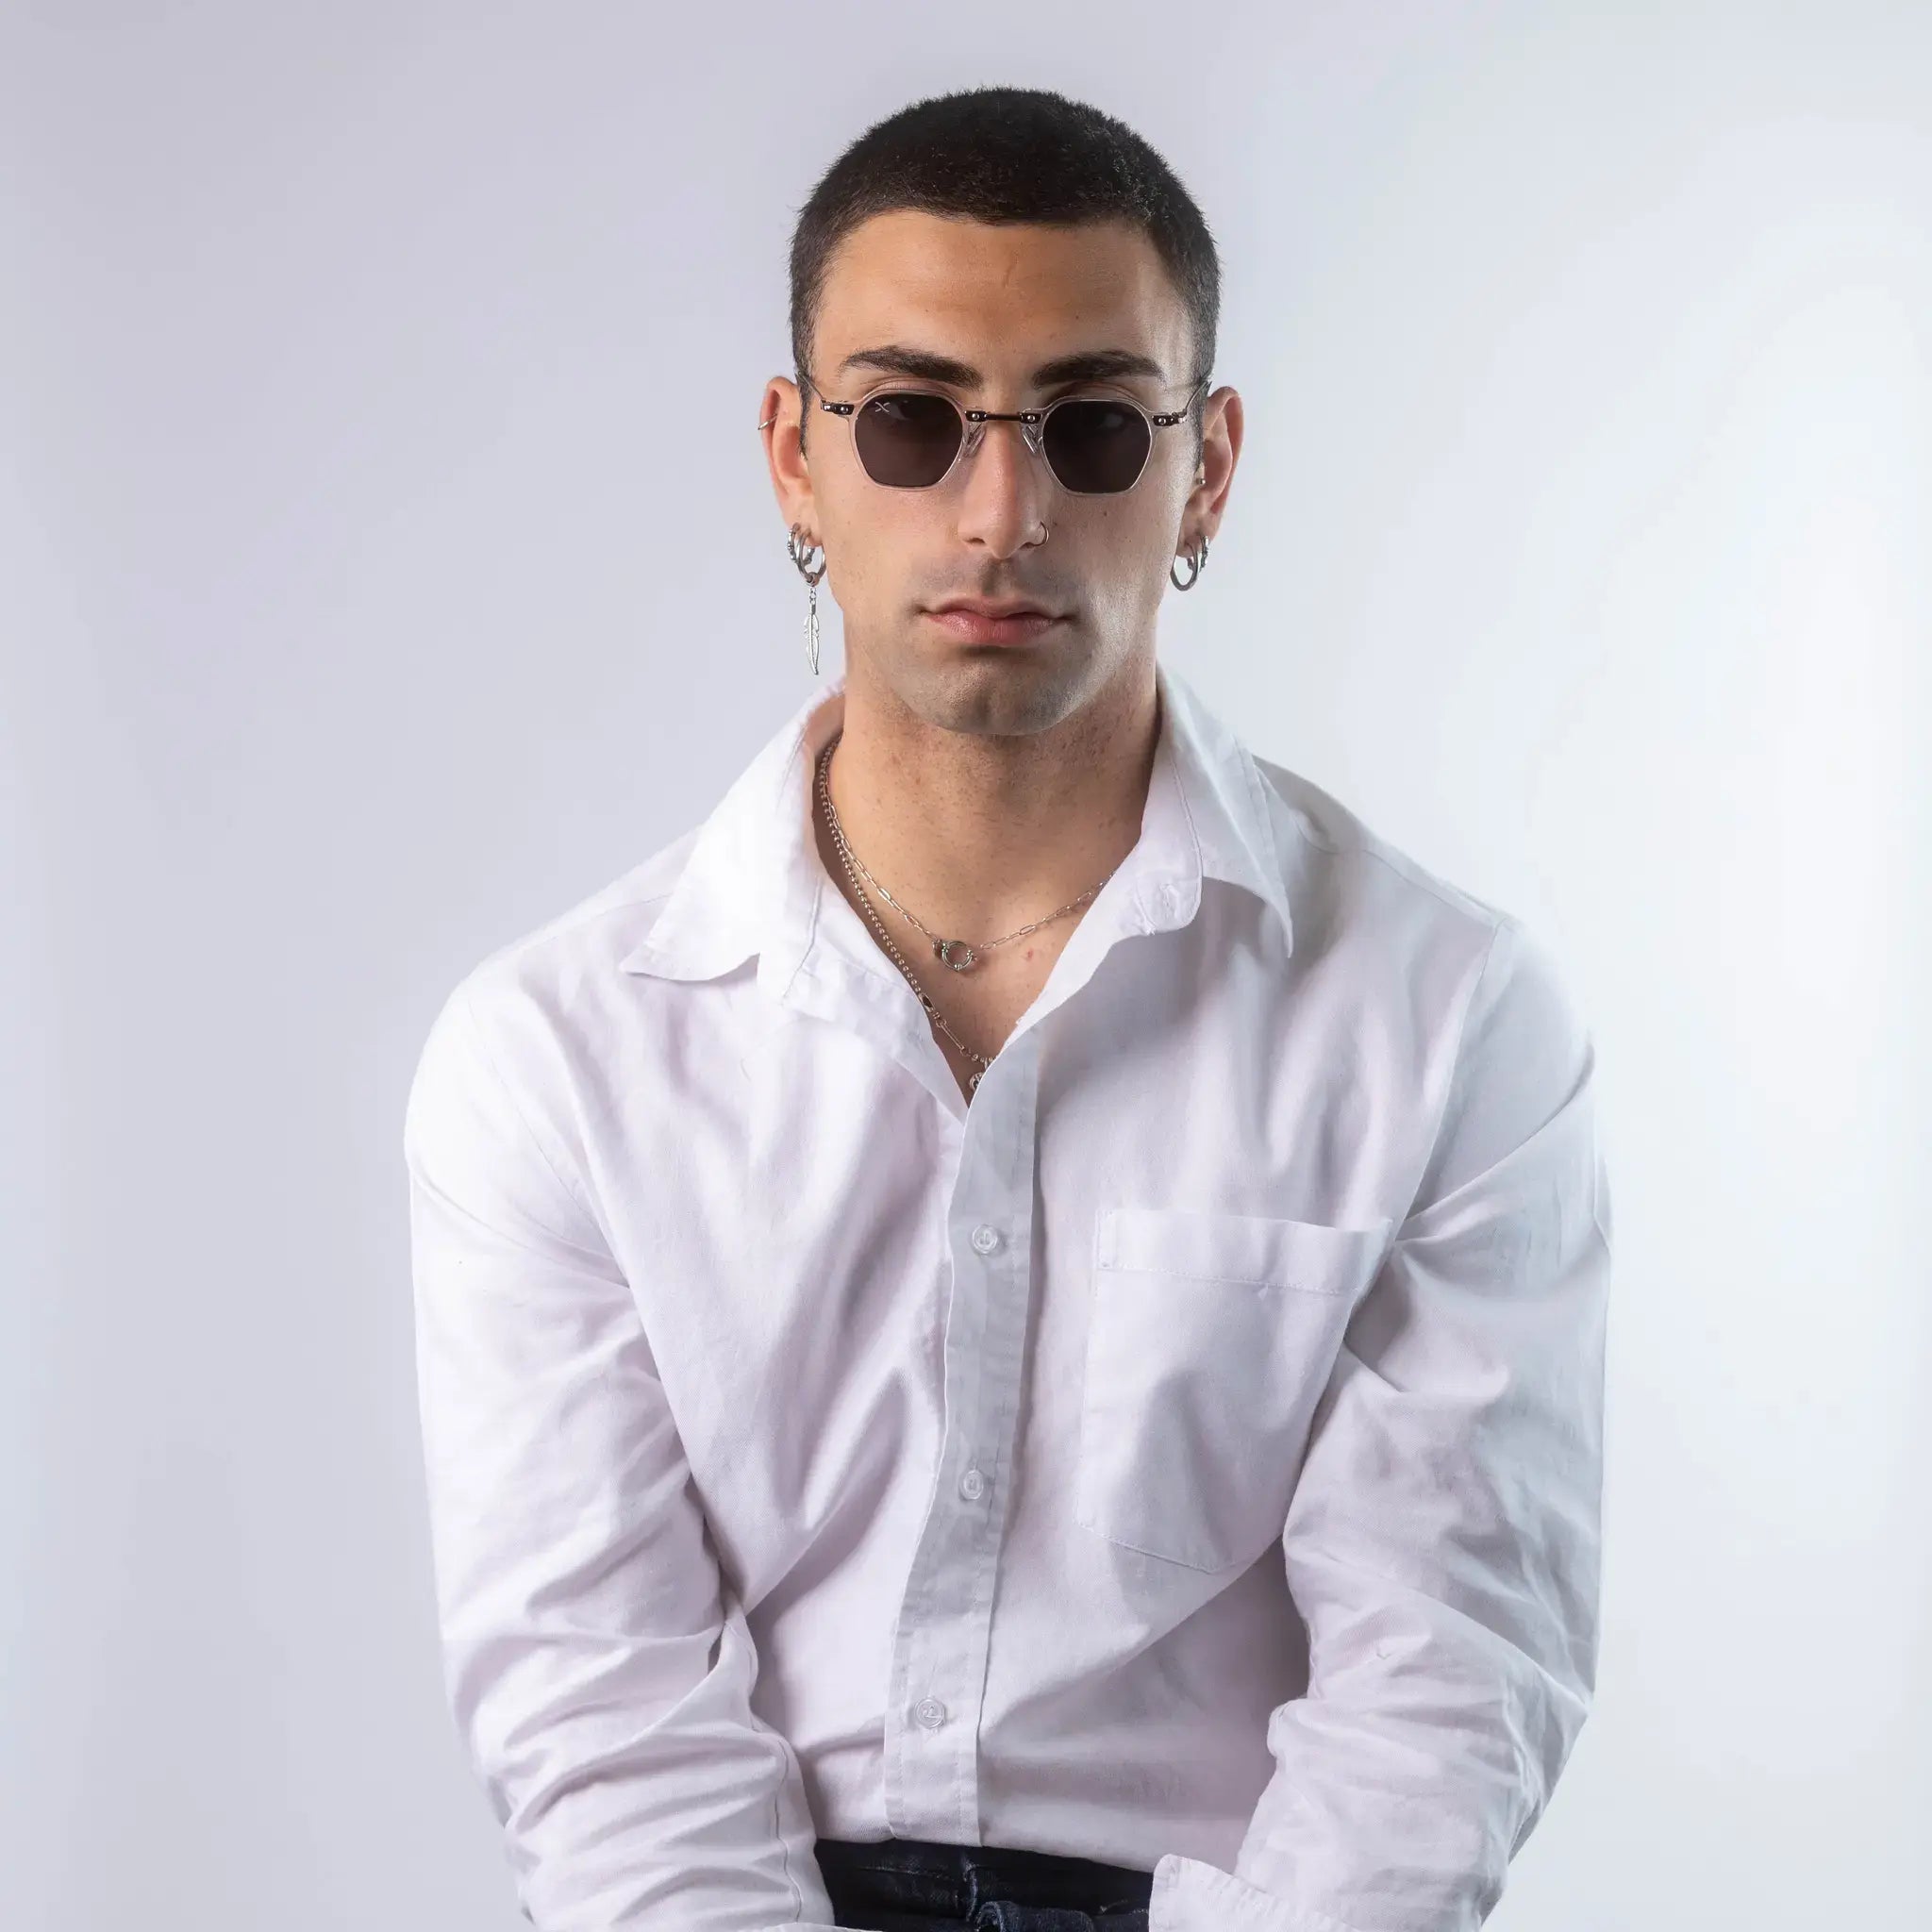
(940, 1639)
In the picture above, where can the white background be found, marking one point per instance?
(387, 561)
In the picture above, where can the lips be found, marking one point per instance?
(990, 608)
(972, 625)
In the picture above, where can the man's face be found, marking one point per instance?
(1003, 301)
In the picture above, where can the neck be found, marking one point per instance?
(980, 833)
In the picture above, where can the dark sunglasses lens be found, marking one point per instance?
(1096, 447)
(907, 440)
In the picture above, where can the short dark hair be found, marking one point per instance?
(1007, 153)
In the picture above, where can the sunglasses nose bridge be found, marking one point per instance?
(1033, 434)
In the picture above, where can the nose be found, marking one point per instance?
(1004, 493)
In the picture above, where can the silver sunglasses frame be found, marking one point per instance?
(1032, 428)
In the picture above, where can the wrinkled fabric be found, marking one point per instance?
(1185, 1454)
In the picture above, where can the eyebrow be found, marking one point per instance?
(1083, 365)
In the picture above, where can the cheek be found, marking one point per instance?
(1150, 513)
(1140, 537)
(1122, 601)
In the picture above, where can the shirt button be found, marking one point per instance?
(930, 1712)
(973, 1485)
(986, 1239)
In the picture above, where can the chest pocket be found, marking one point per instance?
(1210, 1338)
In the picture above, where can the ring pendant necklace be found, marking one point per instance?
(955, 953)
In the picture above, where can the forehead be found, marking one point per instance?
(1001, 297)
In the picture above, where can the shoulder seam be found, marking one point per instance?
(1371, 848)
(565, 924)
(572, 1191)
(1469, 1006)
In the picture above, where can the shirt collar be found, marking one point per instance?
(751, 882)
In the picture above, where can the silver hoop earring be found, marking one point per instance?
(799, 550)
(1198, 563)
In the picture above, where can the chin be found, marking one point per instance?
(990, 693)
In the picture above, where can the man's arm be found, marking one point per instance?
(599, 1674)
(1442, 1545)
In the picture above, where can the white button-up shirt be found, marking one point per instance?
(1186, 1454)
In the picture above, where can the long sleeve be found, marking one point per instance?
(598, 1670)
(1442, 1545)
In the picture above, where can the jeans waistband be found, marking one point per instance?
(952, 1880)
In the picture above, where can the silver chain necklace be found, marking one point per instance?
(955, 953)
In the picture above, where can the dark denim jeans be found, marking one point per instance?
(913, 1885)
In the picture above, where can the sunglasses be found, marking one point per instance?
(911, 438)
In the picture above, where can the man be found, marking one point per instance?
(1010, 1329)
